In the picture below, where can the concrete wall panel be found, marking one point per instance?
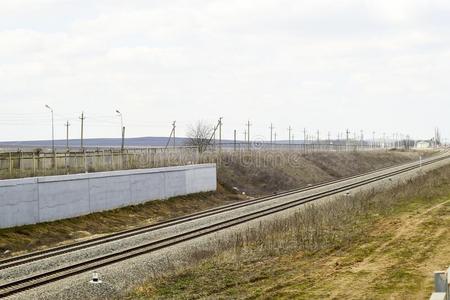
(19, 202)
(63, 199)
(109, 192)
(175, 183)
(147, 186)
(34, 200)
(201, 180)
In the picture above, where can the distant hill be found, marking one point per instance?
(96, 142)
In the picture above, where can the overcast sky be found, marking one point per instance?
(380, 66)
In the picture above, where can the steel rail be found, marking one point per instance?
(67, 271)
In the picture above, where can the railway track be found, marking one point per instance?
(30, 282)
(38, 255)
(54, 251)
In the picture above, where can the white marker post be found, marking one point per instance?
(95, 278)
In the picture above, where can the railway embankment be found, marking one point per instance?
(239, 177)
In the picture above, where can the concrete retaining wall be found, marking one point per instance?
(40, 199)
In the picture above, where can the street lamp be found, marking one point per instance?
(53, 128)
(119, 114)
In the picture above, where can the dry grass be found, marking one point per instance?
(262, 172)
(371, 246)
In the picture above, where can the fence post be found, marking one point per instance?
(34, 164)
(112, 160)
(10, 164)
(85, 161)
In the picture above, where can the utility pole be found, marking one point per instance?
(122, 129)
(53, 129)
(373, 139)
(67, 135)
(174, 136)
(362, 139)
(318, 137)
(271, 134)
(290, 129)
(220, 133)
(82, 118)
(304, 136)
(248, 133)
(172, 133)
(275, 136)
(123, 138)
(235, 140)
(347, 132)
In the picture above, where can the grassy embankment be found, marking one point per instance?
(254, 174)
(369, 246)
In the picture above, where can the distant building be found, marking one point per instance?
(423, 145)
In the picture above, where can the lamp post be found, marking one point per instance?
(53, 128)
(122, 129)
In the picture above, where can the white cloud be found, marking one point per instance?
(316, 64)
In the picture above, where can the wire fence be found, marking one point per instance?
(18, 164)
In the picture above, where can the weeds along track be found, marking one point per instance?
(97, 262)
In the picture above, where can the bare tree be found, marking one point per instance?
(199, 135)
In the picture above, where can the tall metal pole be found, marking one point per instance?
(362, 139)
(373, 139)
(220, 133)
(67, 135)
(122, 130)
(174, 137)
(248, 133)
(290, 129)
(235, 140)
(82, 129)
(347, 132)
(271, 134)
(53, 128)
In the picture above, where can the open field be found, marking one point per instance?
(256, 177)
(371, 246)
